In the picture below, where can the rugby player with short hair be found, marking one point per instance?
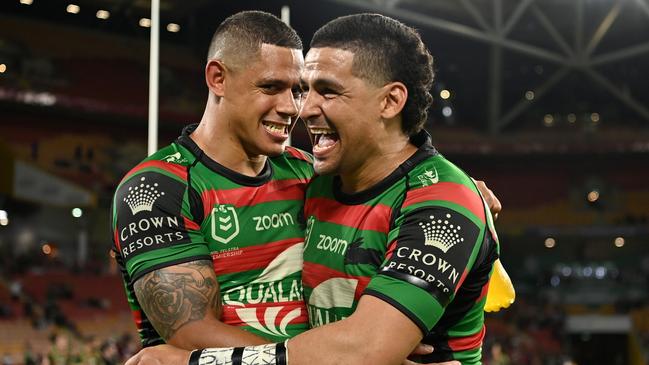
(206, 229)
(400, 244)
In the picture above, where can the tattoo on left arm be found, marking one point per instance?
(176, 295)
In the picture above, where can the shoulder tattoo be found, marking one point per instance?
(176, 295)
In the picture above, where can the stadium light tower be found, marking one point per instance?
(286, 18)
(153, 77)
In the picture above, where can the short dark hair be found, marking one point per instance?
(385, 50)
(239, 37)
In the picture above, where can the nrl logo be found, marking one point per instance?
(141, 197)
(225, 223)
(175, 158)
(441, 233)
(429, 177)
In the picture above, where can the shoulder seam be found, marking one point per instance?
(144, 164)
(302, 155)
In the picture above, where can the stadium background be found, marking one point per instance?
(546, 100)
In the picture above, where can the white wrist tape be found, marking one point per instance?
(270, 354)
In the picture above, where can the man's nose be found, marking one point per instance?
(287, 104)
(310, 105)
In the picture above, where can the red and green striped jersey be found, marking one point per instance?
(178, 205)
(422, 240)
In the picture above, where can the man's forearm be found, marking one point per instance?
(376, 333)
(214, 333)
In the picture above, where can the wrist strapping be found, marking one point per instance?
(270, 354)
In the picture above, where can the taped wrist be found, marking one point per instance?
(273, 353)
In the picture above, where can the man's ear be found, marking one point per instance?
(215, 77)
(394, 99)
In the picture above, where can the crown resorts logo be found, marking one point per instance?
(141, 197)
(441, 233)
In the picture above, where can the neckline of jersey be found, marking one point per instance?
(264, 176)
(425, 149)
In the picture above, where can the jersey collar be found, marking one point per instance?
(264, 176)
(425, 149)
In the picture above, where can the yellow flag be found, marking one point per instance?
(501, 292)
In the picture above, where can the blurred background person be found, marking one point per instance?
(498, 357)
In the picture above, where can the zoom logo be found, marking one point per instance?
(266, 222)
(332, 244)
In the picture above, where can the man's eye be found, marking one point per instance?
(270, 88)
(328, 93)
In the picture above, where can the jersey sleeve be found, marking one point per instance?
(299, 162)
(152, 222)
(433, 246)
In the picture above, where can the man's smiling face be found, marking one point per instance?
(341, 111)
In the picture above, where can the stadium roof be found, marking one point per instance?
(507, 65)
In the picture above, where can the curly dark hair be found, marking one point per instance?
(385, 50)
(240, 36)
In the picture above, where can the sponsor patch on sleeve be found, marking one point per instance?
(432, 251)
(149, 214)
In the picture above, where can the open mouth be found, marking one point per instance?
(276, 129)
(324, 140)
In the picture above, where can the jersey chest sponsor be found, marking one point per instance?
(228, 223)
(335, 245)
(322, 241)
(276, 220)
(332, 300)
(265, 292)
(247, 305)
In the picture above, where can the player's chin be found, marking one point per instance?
(272, 145)
(268, 146)
(274, 149)
(325, 166)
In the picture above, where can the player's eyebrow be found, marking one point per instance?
(321, 83)
(272, 81)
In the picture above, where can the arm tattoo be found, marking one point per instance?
(176, 295)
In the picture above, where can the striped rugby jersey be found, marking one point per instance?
(422, 240)
(178, 205)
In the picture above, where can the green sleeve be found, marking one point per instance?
(431, 251)
(152, 223)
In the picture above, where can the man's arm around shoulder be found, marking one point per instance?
(376, 333)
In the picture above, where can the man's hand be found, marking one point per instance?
(492, 201)
(424, 349)
(160, 355)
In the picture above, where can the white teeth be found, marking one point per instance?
(321, 131)
(276, 128)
